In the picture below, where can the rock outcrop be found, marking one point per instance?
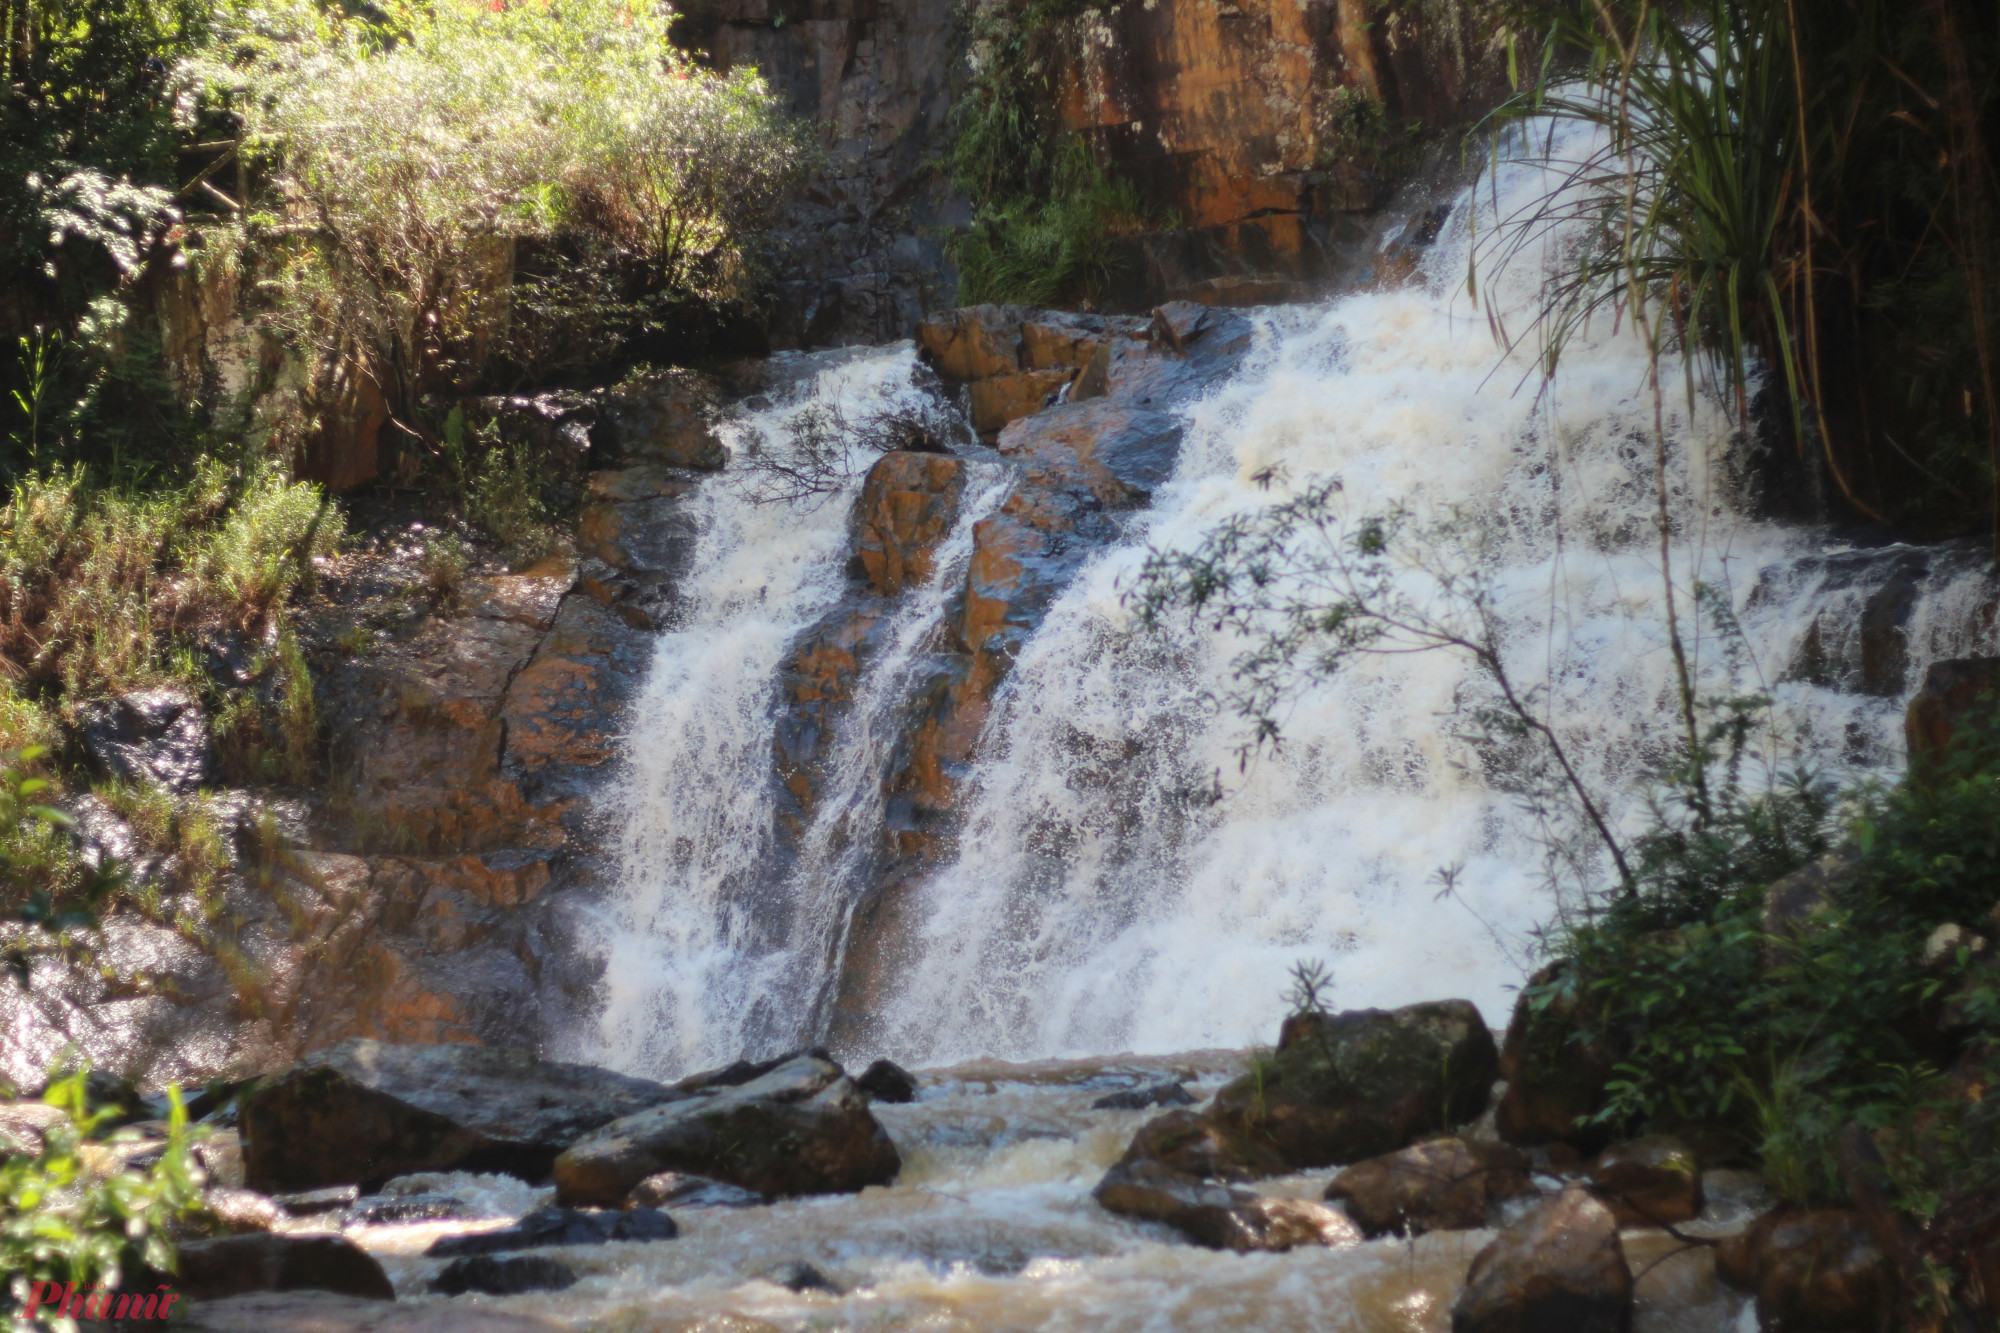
(364, 1111)
(1559, 1268)
(1954, 692)
(800, 1128)
(1556, 1066)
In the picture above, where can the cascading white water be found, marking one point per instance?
(712, 946)
(1100, 897)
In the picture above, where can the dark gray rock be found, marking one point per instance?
(1169, 1093)
(503, 1276)
(562, 1226)
(804, 1277)
(380, 1208)
(887, 1081)
(674, 1189)
(311, 1203)
(149, 736)
(1219, 1216)
(210, 1269)
(364, 1111)
(802, 1128)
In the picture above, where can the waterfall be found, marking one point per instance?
(1123, 879)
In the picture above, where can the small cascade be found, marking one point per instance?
(1118, 877)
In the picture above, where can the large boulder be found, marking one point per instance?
(1820, 1271)
(1369, 1081)
(1648, 1181)
(1195, 1145)
(210, 1269)
(975, 342)
(364, 1111)
(1556, 1064)
(1559, 1268)
(800, 1128)
(1445, 1184)
(1219, 1216)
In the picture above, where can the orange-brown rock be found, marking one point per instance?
(974, 342)
(999, 399)
(908, 504)
(1446, 1184)
(1953, 693)
(1819, 1270)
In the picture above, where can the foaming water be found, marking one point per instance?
(717, 940)
(990, 1227)
(1103, 898)
(1118, 879)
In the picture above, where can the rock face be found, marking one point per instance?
(1369, 1082)
(210, 1269)
(1558, 1269)
(1218, 1216)
(1439, 1185)
(365, 1111)
(801, 1128)
(1648, 1181)
(1819, 1271)
(908, 504)
(1555, 1079)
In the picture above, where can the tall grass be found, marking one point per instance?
(1796, 195)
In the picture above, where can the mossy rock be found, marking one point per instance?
(1558, 1063)
(1363, 1083)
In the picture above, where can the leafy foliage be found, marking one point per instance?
(65, 1217)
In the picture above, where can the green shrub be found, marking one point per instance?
(65, 1218)
(412, 145)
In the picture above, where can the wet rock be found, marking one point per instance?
(1439, 1185)
(312, 1203)
(1954, 691)
(1169, 1093)
(1559, 1268)
(1555, 1078)
(210, 1269)
(801, 1128)
(1177, 324)
(909, 502)
(1648, 1181)
(239, 1211)
(1057, 339)
(379, 1209)
(561, 1226)
(1198, 1146)
(24, 1126)
(674, 1189)
(974, 343)
(1374, 1081)
(665, 418)
(1218, 1216)
(322, 1312)
(804, 1277)
(1118, 453)
(221, 1155)
(887, 1081)
(503, 1276)
(149, 736)
(1820, 1271)
(366, 1110)
(993, 403)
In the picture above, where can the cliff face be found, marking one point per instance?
(1269, 131)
